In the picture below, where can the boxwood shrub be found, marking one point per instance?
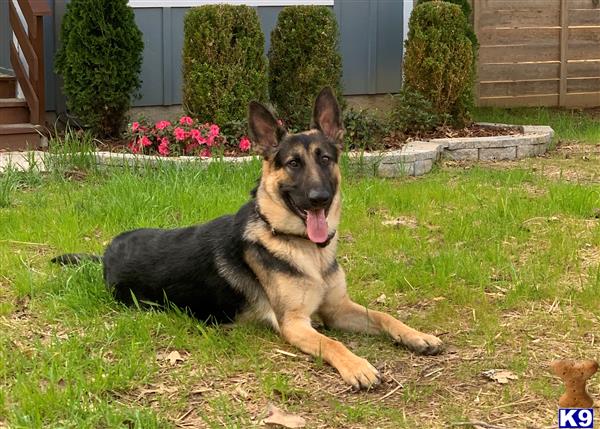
(303, 58)
(224, 67)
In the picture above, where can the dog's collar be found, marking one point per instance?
(279, 233)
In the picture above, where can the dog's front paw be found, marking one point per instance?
(359, 373)
(423, 344)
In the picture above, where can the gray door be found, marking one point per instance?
(371, 45)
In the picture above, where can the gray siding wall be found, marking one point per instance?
(5, 37)
(370, 44)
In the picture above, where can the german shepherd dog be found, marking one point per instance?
(274, 260)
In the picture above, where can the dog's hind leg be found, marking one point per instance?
(340, 312)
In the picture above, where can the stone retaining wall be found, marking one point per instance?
(414, 159)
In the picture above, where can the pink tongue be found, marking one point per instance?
(316, 226)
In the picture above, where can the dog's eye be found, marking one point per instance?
(325, 159)
(293, 163)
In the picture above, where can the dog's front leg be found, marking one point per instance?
(340, 312)
(356, 371)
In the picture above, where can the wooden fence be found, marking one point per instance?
(538, 52)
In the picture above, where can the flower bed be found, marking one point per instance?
(184, 137)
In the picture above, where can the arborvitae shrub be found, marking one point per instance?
(100, 59)
(438, 62)
(303, 59)
(224, 67)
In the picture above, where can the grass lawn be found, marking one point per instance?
(500, 260)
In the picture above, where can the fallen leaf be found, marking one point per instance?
(279, 417)
(241, 392)
(172, 357)
(381, 299)
(501, 376)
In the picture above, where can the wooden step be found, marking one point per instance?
(8, 86)
(22, 136)
(13, 111)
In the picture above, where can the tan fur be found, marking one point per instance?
(319, 290)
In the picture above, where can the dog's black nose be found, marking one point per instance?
(319, 197)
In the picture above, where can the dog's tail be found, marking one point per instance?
(75, 258)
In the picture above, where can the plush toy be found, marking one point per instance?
(575, 374)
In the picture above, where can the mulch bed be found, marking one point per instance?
(397, 140)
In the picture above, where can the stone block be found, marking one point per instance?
(396, 170)
(422, 167)
(497, 154)
(461, 154)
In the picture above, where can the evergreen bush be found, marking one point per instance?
(303, 59)
(439, 60)
(100, 59)
(224, 67)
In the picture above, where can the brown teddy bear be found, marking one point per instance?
(575, 375)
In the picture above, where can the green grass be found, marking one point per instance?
(502, 263)
(569, 125)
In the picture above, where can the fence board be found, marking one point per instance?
(582, 4)
(585, 34)
(590, 99)
(519, 71)
(584, 17)
(519, 53)
(522, 4)
(518, 36)
(517, 88)
(583, 85)
(583, 69)
(521, 101)
(541, 17)
(583, 50)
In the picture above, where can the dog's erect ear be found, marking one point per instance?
(264, 129)
(327, 116)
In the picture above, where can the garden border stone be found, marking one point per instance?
(414, 159)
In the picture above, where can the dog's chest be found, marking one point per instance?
(310, 260)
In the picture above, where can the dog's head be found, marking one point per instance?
(299, 189)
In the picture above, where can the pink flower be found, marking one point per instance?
(214, 130)
(280, 122)
(196, 134)
(205, 153)
(180, 134)
(134, 147)
(245, 144)
(145, 141)
(186, 120)
(135, 126)
(161, 125)
(163, 147)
